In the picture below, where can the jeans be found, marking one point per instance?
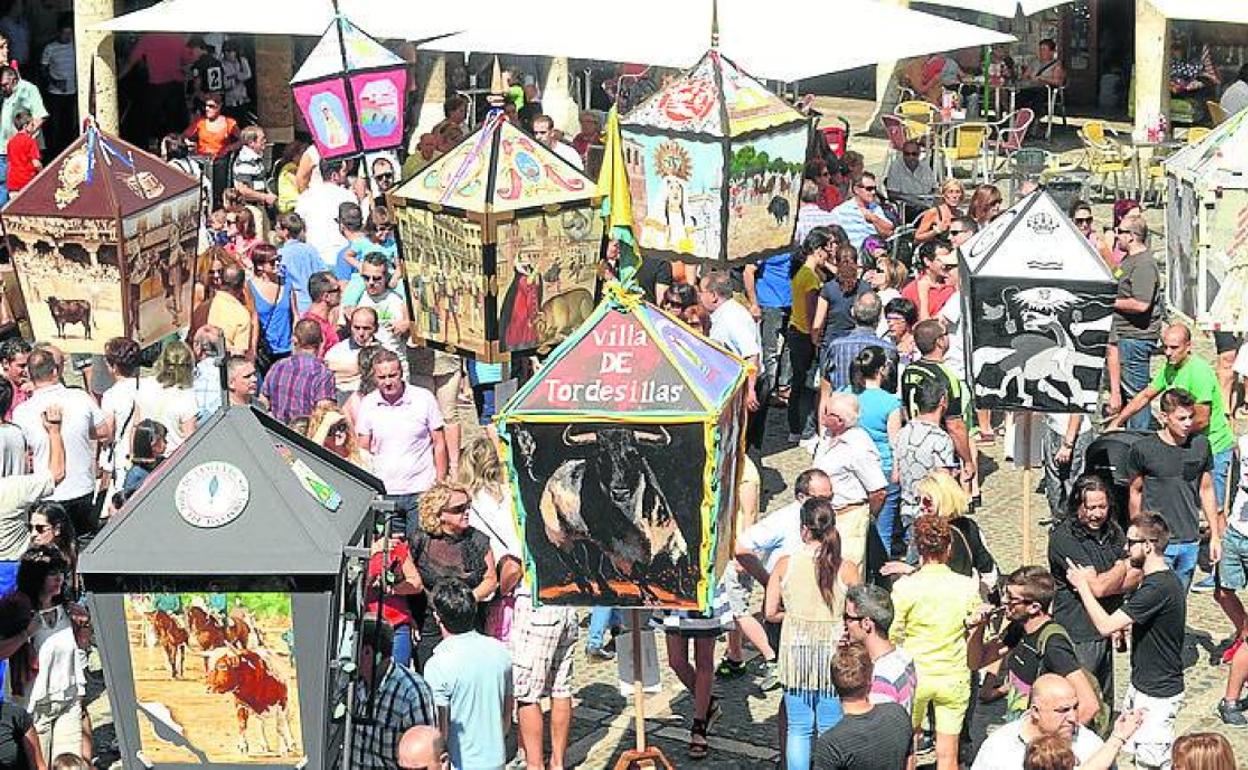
(1221, 474)
(1097, 656)
(1181, 557)
(600, 619)
(407, 513)
(1058, 479)
(1133, 358)
(810, 714)
(402, 652)
(801, 397)
(4, 179)
(776, 369)
(888, 523)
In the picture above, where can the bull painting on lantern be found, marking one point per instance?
(214, 677)
(764, 177)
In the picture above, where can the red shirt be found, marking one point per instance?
(937, 296)
(395, 609)
(329, 333)
(23, 151)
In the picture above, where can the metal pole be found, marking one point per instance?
(639, 684)
(1027, 486)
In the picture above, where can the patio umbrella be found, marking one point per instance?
(765, 39)
(1007, 8)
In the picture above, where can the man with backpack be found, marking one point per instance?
(1030, 645)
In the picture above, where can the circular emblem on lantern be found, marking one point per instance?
(212, 494)
(688, 101)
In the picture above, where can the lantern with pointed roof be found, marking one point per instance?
(500, 242)
(1038, 302)
(223, 599)
(715, 164)
(103, 241)
(624, 454)
(351, 91)
(1206, 252)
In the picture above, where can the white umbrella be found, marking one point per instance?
(767, 39)
(1007, 8)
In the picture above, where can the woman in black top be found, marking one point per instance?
(940, 493)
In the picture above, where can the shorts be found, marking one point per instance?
(949, 696)
(1153, 741)
(734, 591)
(446, 391)
(543, 643)
(1232, 568)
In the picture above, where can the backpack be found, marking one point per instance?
(1016, 701)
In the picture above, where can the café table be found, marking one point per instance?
(1165, 146)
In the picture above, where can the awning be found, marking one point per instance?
(1233, 11)
(764, 38)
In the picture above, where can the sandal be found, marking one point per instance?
(699, 747)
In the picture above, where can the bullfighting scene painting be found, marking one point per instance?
(215, 677)
(1040, 301)
(442, 264)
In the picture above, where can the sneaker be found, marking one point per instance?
(770, 680)
(598, 653)
(1230, 651)
(1231, 714)
(1204, 586)
(730, 669)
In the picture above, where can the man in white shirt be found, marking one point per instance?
(1053, 711)
(850, 458)
(343, 359)
(1235, 97)
(545, 132)
(82, 424)
(373, 291)
(318, 207)
(732, 325)
(911, 177)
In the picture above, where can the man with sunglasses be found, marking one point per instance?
(1156, 614)
(912, 177)
(1137, 321)
(371, 289)
(862, 215)
(868, 615)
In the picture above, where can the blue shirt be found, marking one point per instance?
(772, 283)
(299, 261)
(343, 270)
(874, 407)
(275, 321)
(856, 226)
(470, 676)
(840, 353)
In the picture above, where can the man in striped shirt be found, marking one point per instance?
(868, 616)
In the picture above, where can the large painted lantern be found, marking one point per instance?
(351, 92)
(1039, 300)
(715, 165)
(500, 240)
(223, 600)
(624, 454)
(103, 241)
(1206, 212)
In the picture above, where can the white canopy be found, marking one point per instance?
(1234, 11)
(767, 39)
(1006, 8)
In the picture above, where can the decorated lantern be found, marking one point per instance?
(1206, 208)
(715, 164)
(624, 454)
(103, 241)
(351, 92)
(224, 600)
(500, 242)
(1039, 300)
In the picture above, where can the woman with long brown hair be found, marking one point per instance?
(985, 204)
(240, 226)
(806, 593)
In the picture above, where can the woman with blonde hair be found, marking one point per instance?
(940, 494)
(936, 220)
(329, 427)
(1203, 751)
(168, 396)
(481, 473)
(443, 544)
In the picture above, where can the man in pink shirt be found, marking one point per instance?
(400, 425)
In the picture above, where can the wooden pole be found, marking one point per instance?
(1027, 486)
(639, 683)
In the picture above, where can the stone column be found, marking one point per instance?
(274, 103)
(1152, 64)
(557, 101)
(96, 48)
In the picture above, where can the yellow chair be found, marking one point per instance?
(1104, 156)
(968, 141)
(1196, 133)
(917, 110)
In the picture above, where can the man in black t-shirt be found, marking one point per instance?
(206, 76)
(932, 341)
(870, 736)
(1156, 614)
(1172, 472)
(1090, 536)
(1031, 645)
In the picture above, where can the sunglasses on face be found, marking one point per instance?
(1083, 220)
(853, 618)
(373, 278)
(457, 510)
(339, 428)
(385, 177)
(910, 154)
(211, 106)
(954, 233)
(868, 187)
(38, 529)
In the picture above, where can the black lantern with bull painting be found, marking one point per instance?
(223, 594)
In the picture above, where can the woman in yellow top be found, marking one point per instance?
(817, 250)
(936, 220)
(806, 593)
(931, 608)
